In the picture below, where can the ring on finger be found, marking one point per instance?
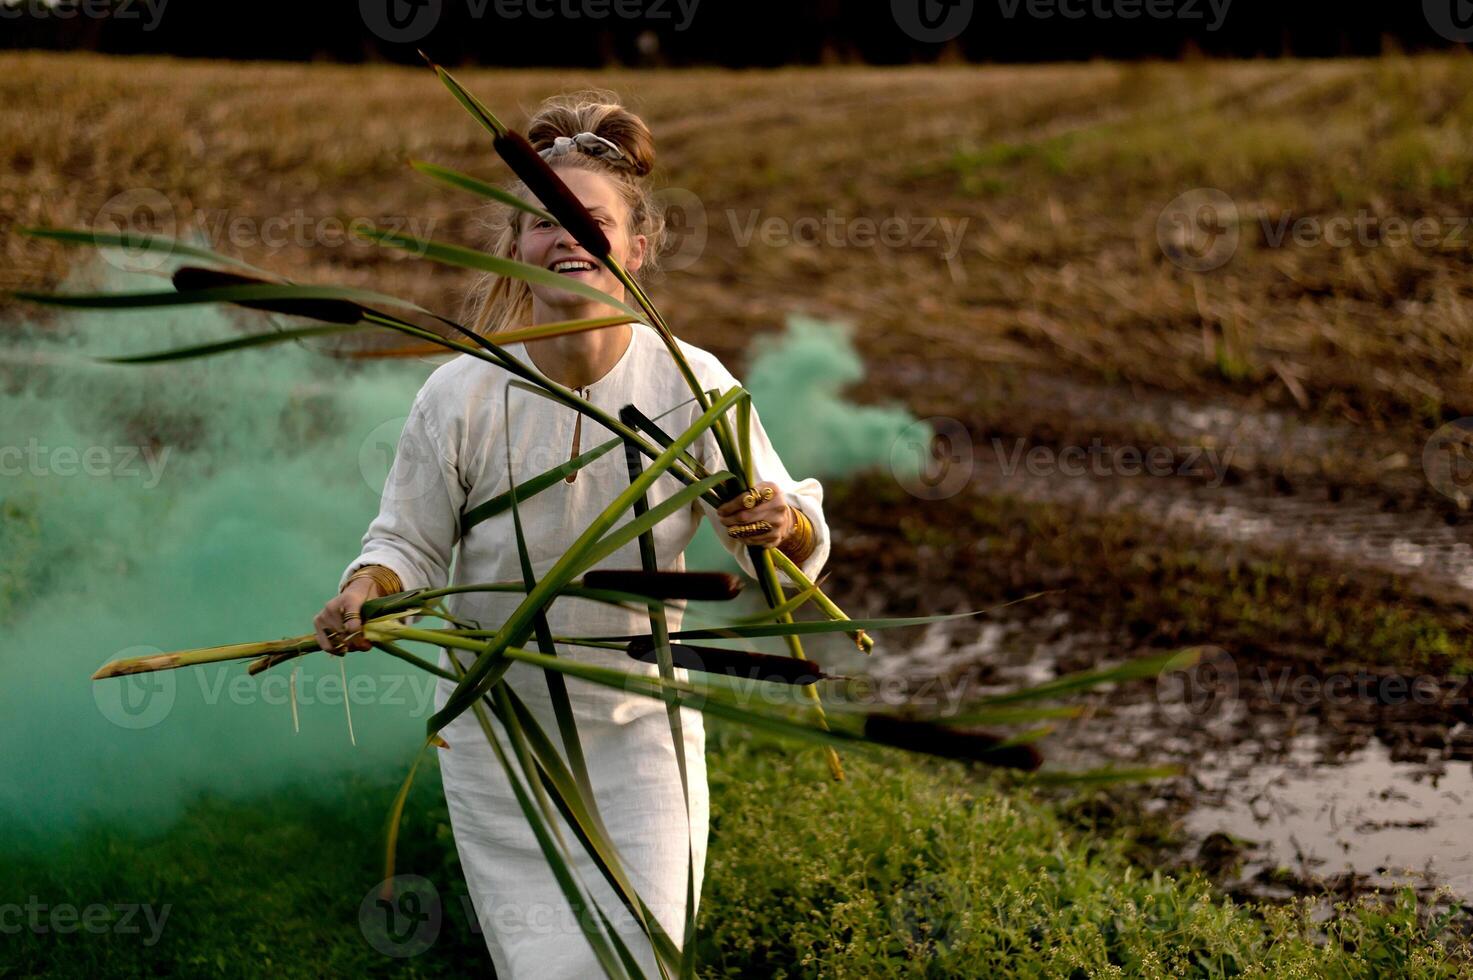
(748, 530)
(750, 498)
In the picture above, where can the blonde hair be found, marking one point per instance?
(495, 303)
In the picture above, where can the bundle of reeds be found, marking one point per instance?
(546, 781)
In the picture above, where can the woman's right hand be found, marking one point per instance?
(341, 616)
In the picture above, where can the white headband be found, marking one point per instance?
(590, 143)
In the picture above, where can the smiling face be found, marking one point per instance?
(546, 244)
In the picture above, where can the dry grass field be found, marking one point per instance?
(1057, 176)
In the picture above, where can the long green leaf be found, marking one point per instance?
(133, 242)
(538, 790)
(600, 942)
(558, 328)
(466, 182)
(586, 822)
(533, 486)
(560, 870)
(470, 258)
(636, 419)
(1086, 679)
(220, 347)
(1105, 776)
(796, 574)
(798, 600)
(659, 631)
(797, 628)
(557, 687)
(673, 504)
(472, 104)
(396, 816)
(222, 294)
(394, 650)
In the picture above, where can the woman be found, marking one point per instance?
(452, 456)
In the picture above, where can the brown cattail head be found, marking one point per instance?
(191, 277)
(951, 743)
(705, 586)
(732, 663)
(497, 303)
(550, 190)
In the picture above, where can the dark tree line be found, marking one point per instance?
(726, 32)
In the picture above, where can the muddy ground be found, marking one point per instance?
(1326, 737)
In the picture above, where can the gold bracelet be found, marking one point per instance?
(802, 537)
(805, 544)
(385, 578)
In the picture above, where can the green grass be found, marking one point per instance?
(904, 870)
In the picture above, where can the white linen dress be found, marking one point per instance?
(451, 457)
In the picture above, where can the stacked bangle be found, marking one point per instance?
(385, 578)
(800, 541)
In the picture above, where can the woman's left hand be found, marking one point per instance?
(774, 511)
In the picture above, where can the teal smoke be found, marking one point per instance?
(798, 385)
(161, 507)
(196, 503)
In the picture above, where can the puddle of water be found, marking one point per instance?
(1319, 812)
(1317, 796)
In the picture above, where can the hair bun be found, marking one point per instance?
(597, 111)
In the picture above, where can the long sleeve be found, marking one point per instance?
(418, 522)
(805, 494)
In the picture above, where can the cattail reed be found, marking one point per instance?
(550, 190)
(704, 586)
(190, 278)
(208, 655)
(932, 739)
(527, 164)
(732, 663)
